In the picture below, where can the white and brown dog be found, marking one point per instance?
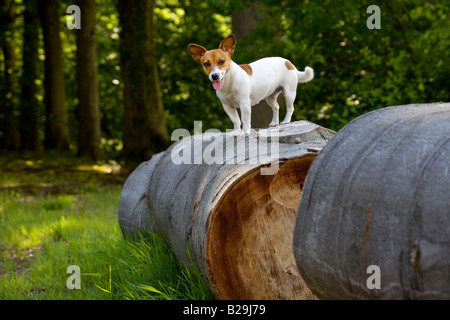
(243, 86)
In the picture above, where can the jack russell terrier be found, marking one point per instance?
(243, 86)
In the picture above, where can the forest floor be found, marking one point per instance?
(57, 211)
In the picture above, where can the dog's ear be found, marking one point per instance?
(228, 44)
(197, 51)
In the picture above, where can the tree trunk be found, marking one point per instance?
(30, 113)
(9, 100)
(243, 22)
(56, 127)
(236, 214)
(379, 195)
(144, 126)
(88, 107)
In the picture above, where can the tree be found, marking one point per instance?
(29, 104)
(243, 22)
(9, 104)
(144, 127)
(56, 127)
(88, 107)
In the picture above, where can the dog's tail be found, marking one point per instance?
(305, 76)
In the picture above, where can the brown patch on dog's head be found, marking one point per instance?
(289, 65)
(216, 57)
(215, 62)
(247, 68)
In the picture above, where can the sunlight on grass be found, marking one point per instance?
(98, 168)
(41, 234)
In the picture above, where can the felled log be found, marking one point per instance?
(229, 203)
(376, 203)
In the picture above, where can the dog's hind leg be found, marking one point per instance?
(246, 111)
(273, 103)
(289, 96)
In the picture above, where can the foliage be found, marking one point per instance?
(186, 93)
(356, 69)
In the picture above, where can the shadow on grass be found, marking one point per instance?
(58, 173)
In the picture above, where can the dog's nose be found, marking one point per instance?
(215, 76)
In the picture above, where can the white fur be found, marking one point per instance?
(270, 77)
(220, 72)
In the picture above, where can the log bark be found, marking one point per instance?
(379, 194)
(234, 222)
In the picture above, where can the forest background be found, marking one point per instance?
(117, 87)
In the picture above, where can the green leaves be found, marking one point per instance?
(400, 63)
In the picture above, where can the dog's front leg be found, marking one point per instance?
(234, 117)
(246, 114)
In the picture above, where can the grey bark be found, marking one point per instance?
(236, 223)
(379, 194)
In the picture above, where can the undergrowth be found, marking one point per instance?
(60, 211)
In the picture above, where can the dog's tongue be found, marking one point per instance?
(217, 84)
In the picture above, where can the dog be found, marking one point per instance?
(243, 86)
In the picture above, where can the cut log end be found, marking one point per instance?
(233, 219)
(251, 235)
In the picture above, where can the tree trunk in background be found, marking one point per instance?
(88, 107)
(56, 128)
(144, 126)
(9, 103)
(30, 113)
(243, 21)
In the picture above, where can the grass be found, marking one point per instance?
(57, 211)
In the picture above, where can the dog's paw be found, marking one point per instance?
(285, 121)
(235, 132)
(247, 131)
(273, 124)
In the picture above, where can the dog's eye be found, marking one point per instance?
(207, 64)
(221, 61)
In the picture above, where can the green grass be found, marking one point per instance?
(44, 230)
